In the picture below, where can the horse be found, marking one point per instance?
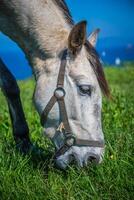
(69, 79)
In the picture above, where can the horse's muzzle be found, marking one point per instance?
(80, 156)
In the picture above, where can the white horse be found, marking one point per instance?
(44, 30)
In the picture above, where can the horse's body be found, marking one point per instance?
(43, 29)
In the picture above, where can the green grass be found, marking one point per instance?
(28, 179)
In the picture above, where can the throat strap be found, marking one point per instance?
(47, 109)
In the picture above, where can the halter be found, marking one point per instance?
(59, 96)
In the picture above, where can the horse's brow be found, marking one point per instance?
(78, 78)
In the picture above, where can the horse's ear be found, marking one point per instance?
(77, 37)
(93, 37)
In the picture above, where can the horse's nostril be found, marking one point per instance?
(92, 158)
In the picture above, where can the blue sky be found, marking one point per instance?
(115, 18)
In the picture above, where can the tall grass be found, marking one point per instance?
(35, 179)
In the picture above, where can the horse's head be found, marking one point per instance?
(79, 119)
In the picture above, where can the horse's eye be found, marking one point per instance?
(85, 90)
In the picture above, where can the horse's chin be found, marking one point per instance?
(55, 136)
(49, 132)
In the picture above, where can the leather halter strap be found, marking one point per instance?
(70, 139)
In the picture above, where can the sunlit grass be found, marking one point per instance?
(25, 178)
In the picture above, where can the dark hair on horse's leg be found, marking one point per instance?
(11, 91)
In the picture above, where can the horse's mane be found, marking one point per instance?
(63, 6)
(93, 56)
(94, 59)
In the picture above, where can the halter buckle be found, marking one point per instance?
(59, 93)
(69, 140)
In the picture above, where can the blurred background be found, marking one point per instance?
(116, 39)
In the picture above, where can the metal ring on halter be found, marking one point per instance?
(70, 139)
(62, 93)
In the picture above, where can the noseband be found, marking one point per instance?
(59, 96)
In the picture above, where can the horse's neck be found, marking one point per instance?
(39, 27)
